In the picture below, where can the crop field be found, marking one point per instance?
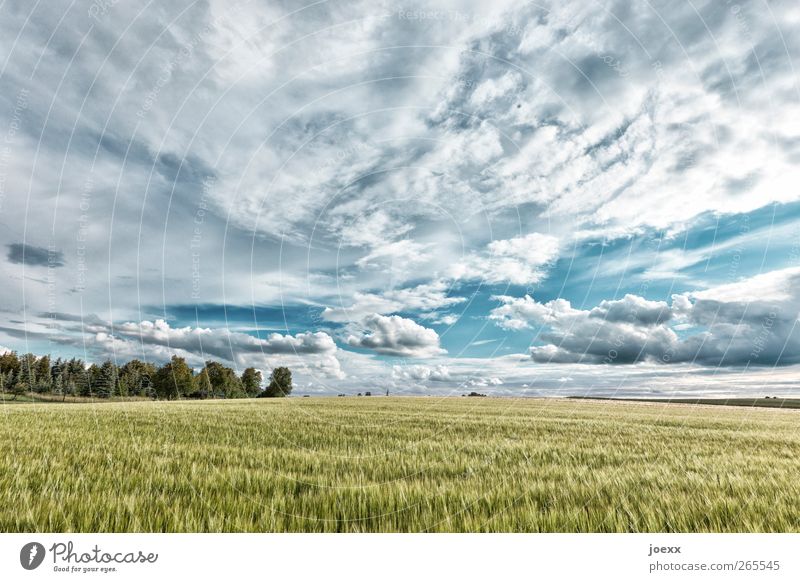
(398, 464)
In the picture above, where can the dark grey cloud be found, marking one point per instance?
(632, 309)
(47, 336)
(750, 323)
(33, 256)
(72, 318)
(593, 120)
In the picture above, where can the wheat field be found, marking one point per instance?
(398, 465)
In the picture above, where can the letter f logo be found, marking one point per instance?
(31, 555)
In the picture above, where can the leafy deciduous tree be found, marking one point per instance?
(173, 379)
(280, 383)
(251, 381)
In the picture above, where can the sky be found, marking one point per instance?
(516, 198)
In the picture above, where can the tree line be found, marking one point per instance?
(174, 380)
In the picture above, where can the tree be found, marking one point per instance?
(9, 362)
(224, 381)
(8, 381)
(104, 379)
(57, 375)
(70, 388)
(251, 381)
(76, 377)
(93, 373)
(136, 378)
(9, 369)
(83, 378)
(202, 385)
(26, 379)
(43, 379)
(173, 380)
(15, 387)
(280, 383)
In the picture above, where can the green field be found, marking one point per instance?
(750, 402)
(398, 464)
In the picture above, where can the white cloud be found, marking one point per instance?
(222, 342)
(420, 373)
(632, 309)
(420, 298)
(450, 133)
(309, 354)
(752, 322)
(426, 377)
(396, 336)
(344, 158)
(779, 286)
(396, 257)
(519, 313)
(370, 230)
(520, 260)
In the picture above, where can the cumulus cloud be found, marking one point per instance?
(419, 373)
(443, 375)
(632, 309)
(520, 313)
(308, 357)
(376, 157)
(310, 353)
(753, 322)
(583, 336)
(223, 343)
(396, 336)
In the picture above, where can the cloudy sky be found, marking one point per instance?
(512, 197)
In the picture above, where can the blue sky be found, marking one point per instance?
(532, 199)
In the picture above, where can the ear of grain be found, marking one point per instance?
(397, 464)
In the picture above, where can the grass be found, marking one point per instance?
(6, 398)
(769, 402)
(398, 464)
